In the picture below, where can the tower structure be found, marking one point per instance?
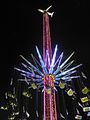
(49, 99)
(47, 74)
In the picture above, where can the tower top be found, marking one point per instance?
(46, 11)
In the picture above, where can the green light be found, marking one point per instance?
(84, 99)
(85, 90)
(70, 92)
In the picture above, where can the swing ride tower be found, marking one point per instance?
(48, 73)
(49, 105)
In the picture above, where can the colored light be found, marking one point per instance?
(58, 69)
(70, 77)
(33, 86)
(70, 92)
(26, 93)
(67, 71)
(88, 114)
(47, 57)
(61, 85)
(85, 90)
(67, 65)
(48, 90)
(58, 61)
(86, 109)
(38, 71)
(78, 117)
(53, 61)
(41, 60)
(84, 99)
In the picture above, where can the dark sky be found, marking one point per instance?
(21, 29)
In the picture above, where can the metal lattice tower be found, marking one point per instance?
(58, 81)
(49, 99)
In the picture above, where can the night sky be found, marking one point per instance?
(21, 29)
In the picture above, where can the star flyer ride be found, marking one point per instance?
(48, 74)
(52, 72)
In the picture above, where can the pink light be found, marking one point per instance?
(44, 102)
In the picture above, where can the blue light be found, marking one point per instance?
(28, 68)
(58, 69)
(61, 56)
(65, 72)
(53, 60)
(67, 65)
(28, 74)
(41, 61)
(66, 60)
(33, 66)
(70, 77)
(59, 60)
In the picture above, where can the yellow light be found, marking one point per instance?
(85, 90)
(11, 117)
(4, 108)
(26, 94)
(11, 95)
(70, 92)
(43, 78)
(61, 85)
(52, 76)
(78, 117)
(86, 109)
(34, 86)
(13, 103)
(48, 90)
(84, 99)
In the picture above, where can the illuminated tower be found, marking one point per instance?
(47, 74)
(49, 91)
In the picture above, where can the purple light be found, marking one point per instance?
(47, 57)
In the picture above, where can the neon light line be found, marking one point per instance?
(58, 69)
(36, 61)
(67, 65)
(42, 63)
(64, 78)
(63, 73)
(27, 67)
(59, 59)
(28, 73)
(48, 57)
(32, 66)
(53, 60)
(61, 56)
(66, 60)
